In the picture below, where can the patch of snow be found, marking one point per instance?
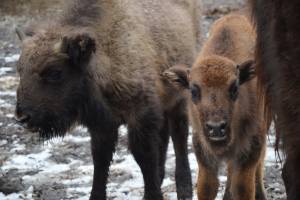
(86, 168)
(13, 196)
(5, 70)
(3, 142)
(7, 79)
(12, 58)
(167, 182)
(130, 167)
(222, 178)
(76, 139)
(193, 162)
(18, 148)
(81, 129)
(8, 93)
(123, 130)
(27, 162)
(12, 125)
(81, 180)
(10, 115)
(75, 190)
(5, 104)
(270, 155)
(171, 195)
(55, 168)
(28, 195)
(77, 175)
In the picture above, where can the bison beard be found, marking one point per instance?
(52, 127)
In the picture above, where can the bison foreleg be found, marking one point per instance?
(103, 146)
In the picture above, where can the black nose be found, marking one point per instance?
(216, 129)
(20, 116)
(22, 119)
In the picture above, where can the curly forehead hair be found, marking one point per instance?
(215, 71)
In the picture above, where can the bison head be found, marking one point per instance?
(214, 85)
(52, 69)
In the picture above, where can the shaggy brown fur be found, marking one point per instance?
(99, 65)
(225, 115)
(277, 56)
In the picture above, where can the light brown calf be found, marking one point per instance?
(225, 115)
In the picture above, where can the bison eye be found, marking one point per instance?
(52, 75)
(233, 91)
(196, 93)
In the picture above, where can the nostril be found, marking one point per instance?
(210, 129)
(223, 126)
(209, 126)
(216, 128)
(22, 119)
(216, 131)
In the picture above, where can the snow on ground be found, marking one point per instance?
(12, 58)
(76, 176)
(64, 164)
(73, 174)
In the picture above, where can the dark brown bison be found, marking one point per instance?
(99, 65)
(278, 69)
(226, 118)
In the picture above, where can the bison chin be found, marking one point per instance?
(52, 129)
(49, 125)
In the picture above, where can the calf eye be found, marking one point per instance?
(52, 75)
(233, 91)
(196, 93)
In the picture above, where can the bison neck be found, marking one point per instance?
(127, 61)
(124, 67)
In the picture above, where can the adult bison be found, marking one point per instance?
(99, 65)
(277, 56)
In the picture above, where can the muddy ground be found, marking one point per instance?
(62, 168)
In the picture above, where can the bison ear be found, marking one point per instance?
(22, 35)
(246, 71)
(177, 75)
(78, 47)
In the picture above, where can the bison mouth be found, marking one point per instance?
(219, 141)
(47, 127)
(218, 137)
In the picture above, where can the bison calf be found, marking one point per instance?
(225, 115)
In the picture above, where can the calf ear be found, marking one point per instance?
(79, 47)
(177, 75)
(246, 71)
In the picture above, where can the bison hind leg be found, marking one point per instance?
(143, 142)
(163, 147)
(291, 174)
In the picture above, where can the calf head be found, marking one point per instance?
(52, 69)
(214, 85)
